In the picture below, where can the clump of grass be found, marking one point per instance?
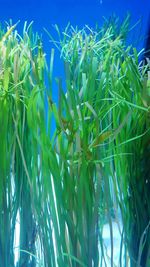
(133, 171)
(105, 75)
(75, 166)
(66, 185)
(19, 75)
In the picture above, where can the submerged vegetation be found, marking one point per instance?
(64, 184)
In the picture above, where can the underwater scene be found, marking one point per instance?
(75, 133)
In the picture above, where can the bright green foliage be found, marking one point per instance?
(107, 77)
(133, 170)
(18, 77)
(66, 185)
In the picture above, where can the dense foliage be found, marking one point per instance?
(64, 183)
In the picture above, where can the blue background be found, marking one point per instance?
(45, 13)
(76, 11)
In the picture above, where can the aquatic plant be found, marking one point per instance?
(117, 91)
(132, 179)
(65, 183)
(19, 74)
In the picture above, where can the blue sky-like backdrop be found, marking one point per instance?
(45, 13)
(78, 12)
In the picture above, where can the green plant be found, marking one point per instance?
(19, 75)
(133, 171)
(75, 177)
(66, 185)
(123, 85)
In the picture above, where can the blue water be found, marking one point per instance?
(78, 12)
(46, 13)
